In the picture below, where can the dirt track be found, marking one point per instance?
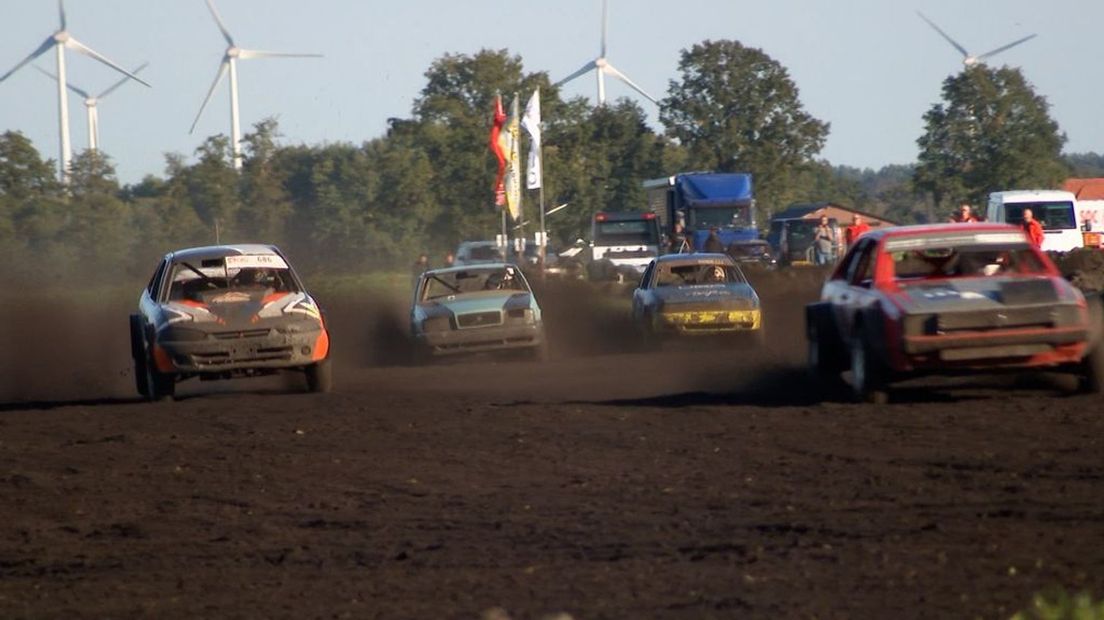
(607, 483)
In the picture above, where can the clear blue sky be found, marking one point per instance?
(869, 67)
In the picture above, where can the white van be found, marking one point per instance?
(1054, 209)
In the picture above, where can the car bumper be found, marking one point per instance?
(709, 322)
(1015, 347)
(481, 339)
(248, 350)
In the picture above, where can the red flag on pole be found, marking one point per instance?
(496, 148)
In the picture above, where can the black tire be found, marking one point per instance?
(1091, 370)
(138, 354)
(539, 353)
(868, 378)
(320, 377)
(650, 339)
(162, 385)
(824, 350)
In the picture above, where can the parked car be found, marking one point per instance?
(476, 308)
(478, 253)
(917, 300)
(756, 252)
(226, 311)
(695, 294)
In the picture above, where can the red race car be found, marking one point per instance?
(933, 299)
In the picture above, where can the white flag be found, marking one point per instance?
(531, 122)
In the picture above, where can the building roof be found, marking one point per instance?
(1085, 189)
(801, 210)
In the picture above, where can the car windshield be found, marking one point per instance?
(961, 262)
(1052, 215)
(485, 252)
(721, 217)
(209, 280)
(696, 274)
(438, 284)
(626, 232)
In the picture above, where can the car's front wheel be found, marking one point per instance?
(320, 376)
(868, 380)
(150, 383)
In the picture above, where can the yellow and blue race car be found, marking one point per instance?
(696, 294)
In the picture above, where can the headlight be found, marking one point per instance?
(175, 316)
(181, 334)
(520, 314)
(305, 306)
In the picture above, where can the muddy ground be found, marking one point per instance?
(606, 483)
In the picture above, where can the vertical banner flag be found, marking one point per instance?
(531, 121)
(510, 144)
(500, 155)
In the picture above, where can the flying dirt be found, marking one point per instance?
(609, 482)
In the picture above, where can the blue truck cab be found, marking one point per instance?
(701, 201)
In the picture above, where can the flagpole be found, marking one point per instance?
(542, 247)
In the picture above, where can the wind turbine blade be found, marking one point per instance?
(218, 21)
(53, 77)
(1001, 49)
(121, 82)
(247, 54)
(587, 68)
(610, 69)
(77, 46)
(218, 78)
(605, 19)
(958, 47)
(61, 14)
(42, 49)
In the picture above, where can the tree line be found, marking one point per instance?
(426, 184)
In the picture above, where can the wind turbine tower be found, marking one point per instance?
(602, 67)
(230, 64)
(91, 104)
(62, 40)
(969, 59)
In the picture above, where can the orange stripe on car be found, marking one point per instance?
(321, 346)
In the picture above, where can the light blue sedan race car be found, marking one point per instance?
(474, 309)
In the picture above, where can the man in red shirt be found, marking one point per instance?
(855, 230)
(965, 214)
(1033, 228)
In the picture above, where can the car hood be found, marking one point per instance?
(238, 309)
(968, 294)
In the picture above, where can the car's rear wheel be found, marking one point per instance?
(868, 379)
(320, 376)
(1091, 369)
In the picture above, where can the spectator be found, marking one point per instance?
(857, 228)
(419, 267)
(964, 214)
(1033, 228)
(713, 241)
(450, 259)
(824, 240)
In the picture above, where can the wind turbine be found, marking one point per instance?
(602, 67)
(60, 40)
(230, 62)
(91, 101)
(968, 59)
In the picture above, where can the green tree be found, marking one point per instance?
(991, 132)
(736, 109)
(99, 227)
(265, 204)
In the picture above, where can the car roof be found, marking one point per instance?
(221, 251)
(922, 230)
(476, 267)
(695, 258)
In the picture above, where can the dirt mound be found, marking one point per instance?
(1084, 267)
